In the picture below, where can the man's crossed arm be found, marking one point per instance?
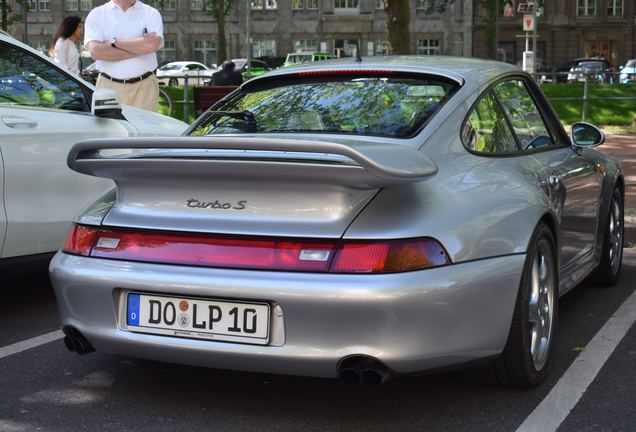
(125, 49)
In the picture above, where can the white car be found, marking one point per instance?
(628, 72)
(173, 73)
(44, 110)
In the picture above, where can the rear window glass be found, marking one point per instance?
(391, 106)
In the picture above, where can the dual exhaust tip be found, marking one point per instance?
(363, 370)
(353, 371)
(75, 341)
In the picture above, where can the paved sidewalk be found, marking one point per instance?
(623, 148)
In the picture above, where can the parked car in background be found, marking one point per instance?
(347, 219)
(90, 73)
(259, 67)
(299, 58)
(628, 72)
(172, 74)
(44, 110)
(597, 70)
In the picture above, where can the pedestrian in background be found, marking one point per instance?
(227, 76)
(64, 47)
(123, 36)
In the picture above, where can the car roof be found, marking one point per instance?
(460, 69)
(590, 59)
(183, 63)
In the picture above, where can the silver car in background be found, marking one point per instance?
(347, 219)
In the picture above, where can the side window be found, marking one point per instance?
(523, 114)
(30, 81)
(486, 129)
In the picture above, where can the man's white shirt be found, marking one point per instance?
(109, 21)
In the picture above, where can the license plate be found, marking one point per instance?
(198, 318)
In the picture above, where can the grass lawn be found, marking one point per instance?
(176, 94)
(602, 111)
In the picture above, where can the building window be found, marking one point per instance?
(508, 9)
(264, 4)
(615, 8)
(86, 5)
(305, 46)
(72, 5)
(196, 5)
(167, 5)
(424, 4)
(304, 4)
(379, 4)
(586, 8)
(428, 47)
(167, 53)
(205, 51)
(382, 47)
(264, 48)
(44, 5)
(347, 5)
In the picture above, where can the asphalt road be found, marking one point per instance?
(48, 388)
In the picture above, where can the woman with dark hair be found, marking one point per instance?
(64, 49)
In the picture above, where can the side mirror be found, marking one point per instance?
(105, 103)
(586, 135)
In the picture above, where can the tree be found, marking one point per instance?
(219, 9)
(6, 13)
(399, 22)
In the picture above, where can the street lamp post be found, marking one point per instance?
(534, 35)
(248, 37)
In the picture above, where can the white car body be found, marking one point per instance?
(628, 72)
(39, 194)
(173, 73)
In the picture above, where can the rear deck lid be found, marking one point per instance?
(246, 186)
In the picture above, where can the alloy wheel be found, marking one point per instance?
(541, 306)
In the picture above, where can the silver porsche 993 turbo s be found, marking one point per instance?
(347, 219)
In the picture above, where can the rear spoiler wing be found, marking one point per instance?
(361, 165)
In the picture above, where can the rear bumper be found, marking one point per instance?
(410, 321)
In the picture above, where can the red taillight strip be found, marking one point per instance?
(304, 255)
(80, 240)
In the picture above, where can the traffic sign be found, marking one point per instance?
(529, 22)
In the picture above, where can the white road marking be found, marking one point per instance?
(556, 406)
(30, 343)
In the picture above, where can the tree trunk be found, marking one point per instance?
(221, 52)
(398, 26)
(5, 14)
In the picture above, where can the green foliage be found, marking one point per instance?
(7, 17)
(213, 7)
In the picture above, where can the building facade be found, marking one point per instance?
(567, 29)
(278, 27)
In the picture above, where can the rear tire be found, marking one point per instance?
(611, 263)
(525, 360)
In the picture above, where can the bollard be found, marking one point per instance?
(186, 100)
(586, 97)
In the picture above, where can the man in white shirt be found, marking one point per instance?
(123, 37)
